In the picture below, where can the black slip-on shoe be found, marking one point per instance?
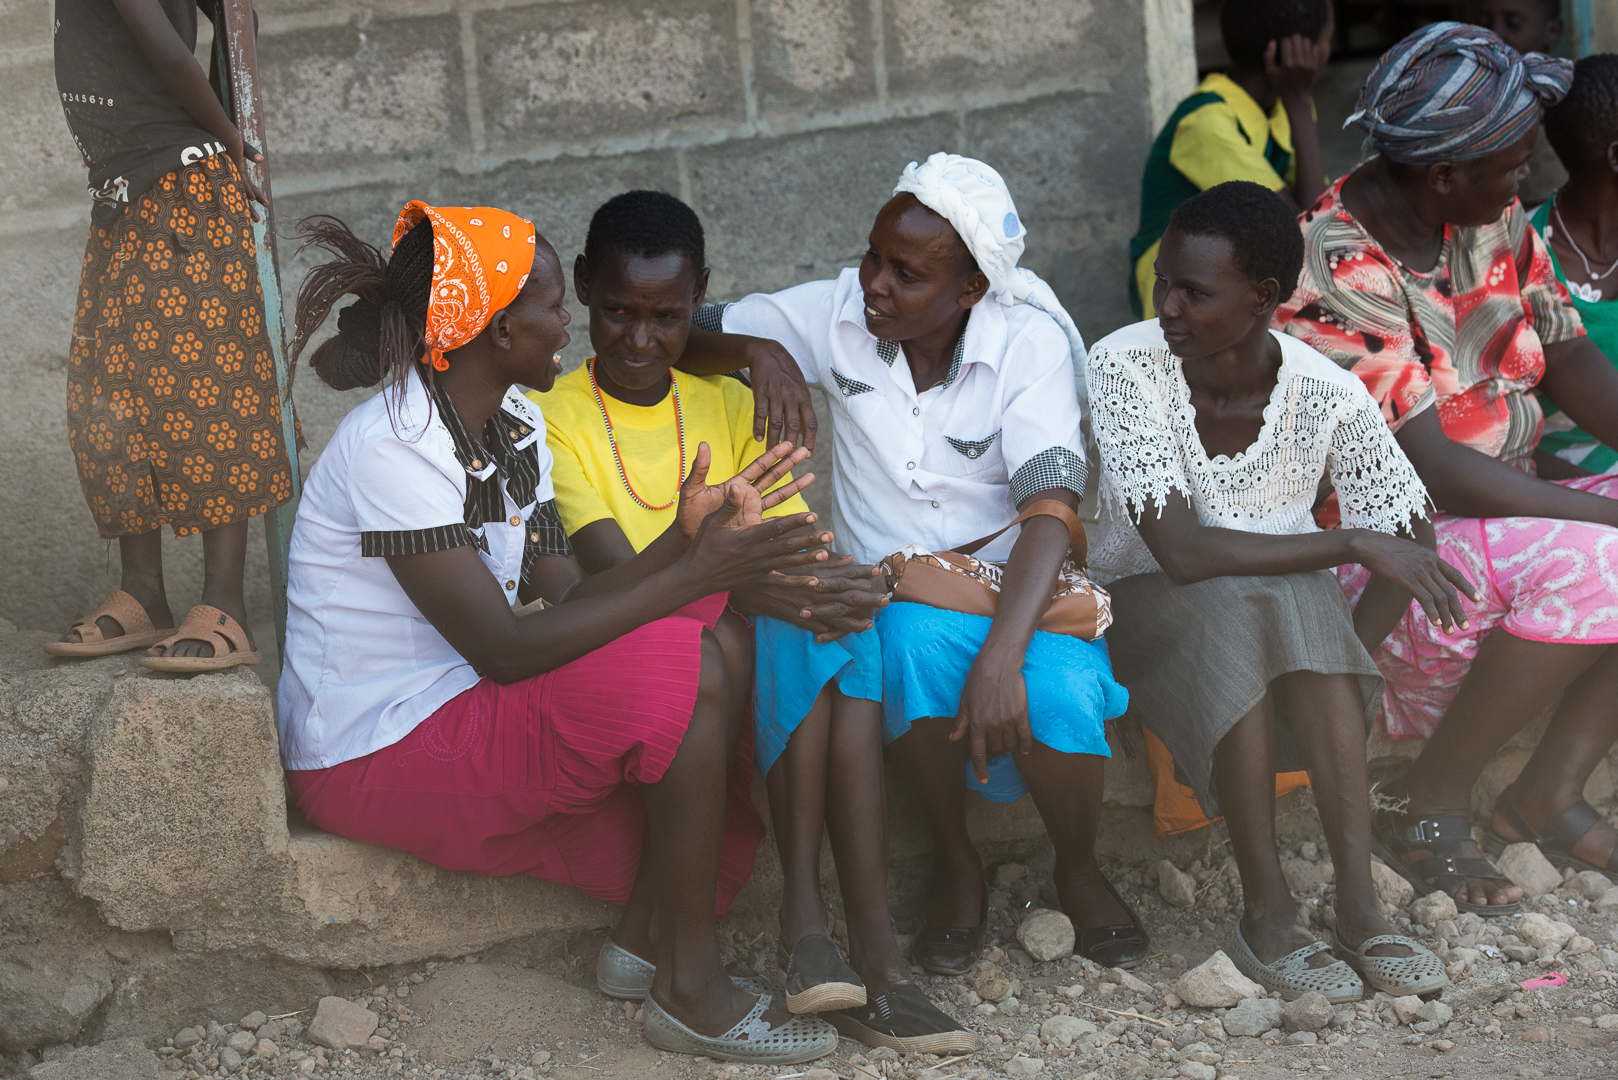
(818, 979)
(951, 950)
(904, 1019)
(1119, 946)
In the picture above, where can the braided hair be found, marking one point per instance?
(379, 336)
(1582, 125)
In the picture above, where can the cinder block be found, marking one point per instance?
(1073, 164)
(812, 55)
(786, 210)
(42, 167)
(569, 73)
(935, 45)
(351, 98)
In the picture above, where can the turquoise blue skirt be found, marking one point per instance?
(926, 653)
(790, 670)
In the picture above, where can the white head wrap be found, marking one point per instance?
(973, 198)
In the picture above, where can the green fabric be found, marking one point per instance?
(1162, 189)
(1601, 323)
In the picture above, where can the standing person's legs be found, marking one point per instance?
(224, 568)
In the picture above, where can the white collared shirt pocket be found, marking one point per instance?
(974, 458)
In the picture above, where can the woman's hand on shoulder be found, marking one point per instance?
(994, 712)
(1436, 585)
(751, 486)
(782, 407)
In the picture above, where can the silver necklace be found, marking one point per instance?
(1588, 293)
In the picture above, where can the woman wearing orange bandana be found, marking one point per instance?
(429, 703)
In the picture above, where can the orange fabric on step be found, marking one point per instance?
(1175, 809)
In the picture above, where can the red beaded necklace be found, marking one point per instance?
(618, 458)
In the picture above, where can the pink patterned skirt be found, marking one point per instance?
(1542, 579)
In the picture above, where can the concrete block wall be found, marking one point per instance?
(784, 122)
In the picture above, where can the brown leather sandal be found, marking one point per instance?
(139, 633)
(206, 623)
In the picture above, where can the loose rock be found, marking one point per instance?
(1311, 1012)
(1430, 909)
(241, 1042)
(1253, 1016)
(264, 1048)
(1608, 901)
(1024, 1066)
(186, 1038)
(1303, 1038)
(1590, 884)
(1131, 983)
(1407, 1008)
(1067, 1030)
(229, 1059)
(1436, 1012)
(1196, 1070)
(1526, 865)
(1047, 935)
(1216, 984)
(1539, 931)
(120, 1059)
(252, 1021)
(1393, 890)
(339, 1024)
(1178, 888)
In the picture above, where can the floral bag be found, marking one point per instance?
(955, 581)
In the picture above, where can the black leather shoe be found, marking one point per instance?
(1119, 946)
(951, 950)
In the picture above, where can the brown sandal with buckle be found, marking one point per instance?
(206, 623)
(125, 610)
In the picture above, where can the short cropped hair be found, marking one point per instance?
(647, 224)
(1262, 230)
(1582, 125)
(1248, 26)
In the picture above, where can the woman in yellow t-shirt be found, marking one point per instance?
(622, 429)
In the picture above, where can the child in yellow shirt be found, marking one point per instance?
(622, 429)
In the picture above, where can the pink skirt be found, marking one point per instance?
(1542, 579)
(540, 777)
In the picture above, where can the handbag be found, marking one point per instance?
(955, 581)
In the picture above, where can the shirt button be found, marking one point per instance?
(534, 537)
(915, 412)
(515, 520)
(510, 585)
(910, 464)
(935, 506)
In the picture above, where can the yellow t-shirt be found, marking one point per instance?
(718, 410)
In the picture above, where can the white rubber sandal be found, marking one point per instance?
(753, 1040)
(623, 975)
(1419, 973)
(1292, 976)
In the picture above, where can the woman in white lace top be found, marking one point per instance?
(1230, 632)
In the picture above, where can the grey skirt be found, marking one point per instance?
(1197, 658)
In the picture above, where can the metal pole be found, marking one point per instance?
(236, 46)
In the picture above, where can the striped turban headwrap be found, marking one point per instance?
(1454, 92)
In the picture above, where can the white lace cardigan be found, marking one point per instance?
(1320, 420)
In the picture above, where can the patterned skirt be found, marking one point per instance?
(1542, 579)
(172, 407)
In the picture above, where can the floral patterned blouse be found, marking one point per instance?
(1468, 335)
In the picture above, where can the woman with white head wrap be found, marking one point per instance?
(950, 385)
(974, 199)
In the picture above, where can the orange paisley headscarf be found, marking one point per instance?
(481, 260)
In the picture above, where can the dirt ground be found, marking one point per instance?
(518, 1012)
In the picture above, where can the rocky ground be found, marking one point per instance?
(509, 1015)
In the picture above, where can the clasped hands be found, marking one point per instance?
(837, 598)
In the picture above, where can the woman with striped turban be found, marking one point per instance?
(1423, 276)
